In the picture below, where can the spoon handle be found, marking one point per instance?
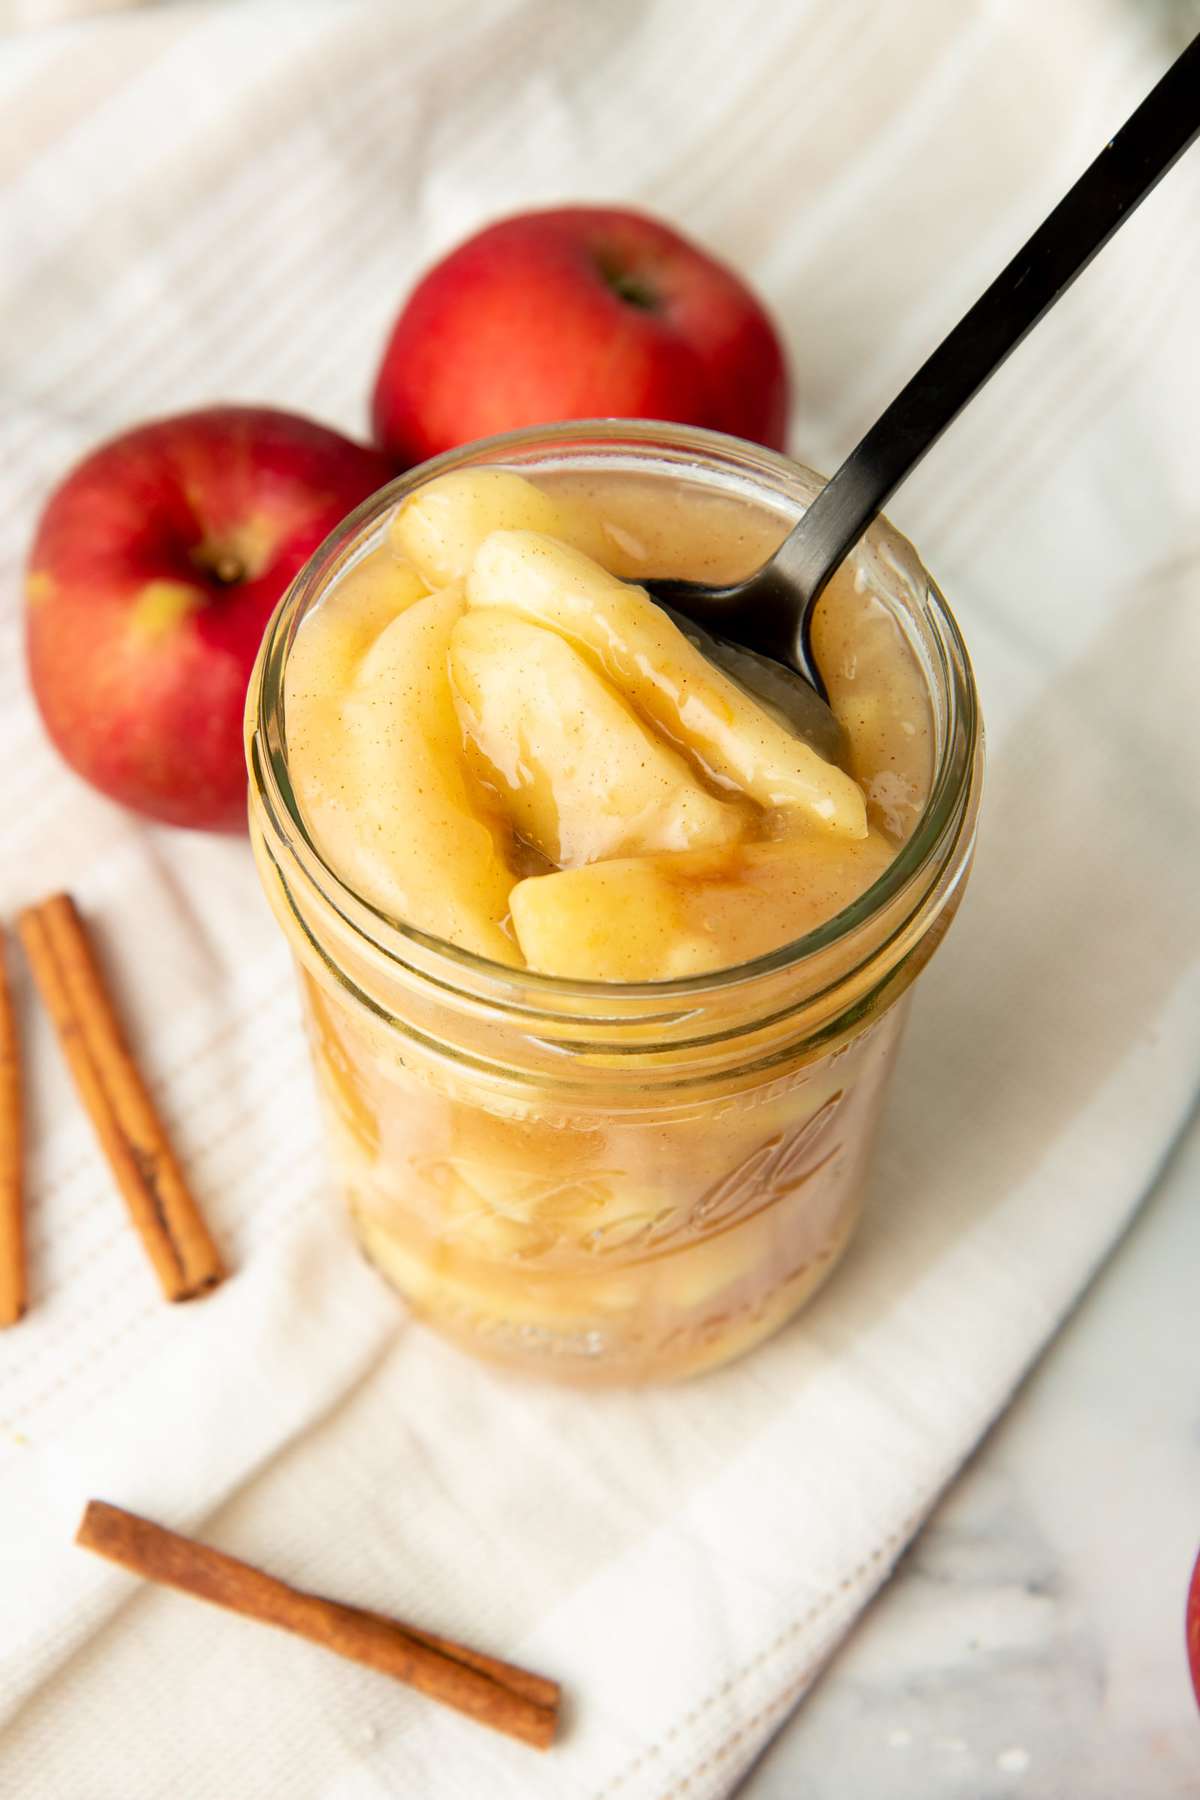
(1125, 171)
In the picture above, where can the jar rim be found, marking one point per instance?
(931, 844)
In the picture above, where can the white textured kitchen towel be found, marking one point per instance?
(228, 202)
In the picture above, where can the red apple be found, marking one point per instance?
(155, 568)
(1193, 1629)
(577, 313)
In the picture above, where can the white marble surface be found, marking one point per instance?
(1030, 1645)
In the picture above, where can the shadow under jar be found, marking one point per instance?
(610, 1182)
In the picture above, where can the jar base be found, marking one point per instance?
(604, 1353)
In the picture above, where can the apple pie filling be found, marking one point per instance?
(495, 736)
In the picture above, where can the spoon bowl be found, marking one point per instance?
(798, 701)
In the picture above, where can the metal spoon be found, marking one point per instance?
(769, 615)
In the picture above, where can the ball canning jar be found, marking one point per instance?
(600, 1181)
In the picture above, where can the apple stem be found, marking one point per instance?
(627, 286)
(228, 569)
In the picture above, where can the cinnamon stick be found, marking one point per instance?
(12, 1161)
(495, 1693)
(130, 1131)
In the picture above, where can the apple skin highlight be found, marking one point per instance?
(155, 567)
(577, 313)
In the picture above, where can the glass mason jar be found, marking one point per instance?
(595, 1181)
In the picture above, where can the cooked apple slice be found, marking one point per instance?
(440, 527)
(879, 693)
(323, 662)
(667, 679)
(581, 777)
(611, 921)
(335, 636)
(655, 918)
(392, 808)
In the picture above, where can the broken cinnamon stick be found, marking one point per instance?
(13, 1294)
(130, 1131)
(494, 1693)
